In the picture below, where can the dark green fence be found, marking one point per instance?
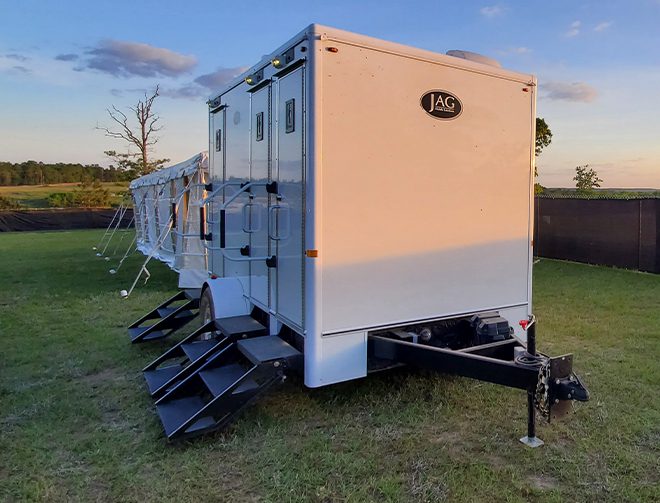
(617, 232)
(51, 220)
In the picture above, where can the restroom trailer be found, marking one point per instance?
(370, 205)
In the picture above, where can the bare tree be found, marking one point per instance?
(141, 134)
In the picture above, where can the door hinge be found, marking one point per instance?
(271, 261)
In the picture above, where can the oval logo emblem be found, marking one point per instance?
(441, 104)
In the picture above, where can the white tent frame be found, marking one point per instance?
(159, 198)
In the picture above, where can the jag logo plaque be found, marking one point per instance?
(441, 104)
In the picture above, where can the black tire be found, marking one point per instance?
(206, 310)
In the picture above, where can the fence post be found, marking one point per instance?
(649, 224)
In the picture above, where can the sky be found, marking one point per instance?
(62, 64)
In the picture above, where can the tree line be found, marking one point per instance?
(40, 173)
(125, 167)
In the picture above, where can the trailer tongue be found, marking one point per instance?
(550, 382)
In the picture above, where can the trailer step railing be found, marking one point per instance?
(204, 221)
(166, 318)
(211, 397)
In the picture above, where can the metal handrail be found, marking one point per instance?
(244, 187)
(176, 201)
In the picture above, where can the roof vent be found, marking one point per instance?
(473, 56)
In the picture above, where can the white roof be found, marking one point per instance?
(185, 168)
(327, 33)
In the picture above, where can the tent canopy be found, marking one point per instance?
(185, 168)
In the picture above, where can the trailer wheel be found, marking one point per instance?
(206, 312)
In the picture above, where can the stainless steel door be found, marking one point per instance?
(236, 169)
(286, 211)
(216, 171)
(255, 210)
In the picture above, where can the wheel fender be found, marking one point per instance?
(228, 297)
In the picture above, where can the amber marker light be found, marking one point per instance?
(250, 80)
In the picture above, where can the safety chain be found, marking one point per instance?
(543, 390)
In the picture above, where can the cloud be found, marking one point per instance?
(128, 59)
(189, 91)
(514, 50)
(220, 77)
(119, 93)
(491, 11)
(569, 91)
(17, 57)
(204, 84)
(603, 26)
(574, 29)
(44, 68)
(66, 57)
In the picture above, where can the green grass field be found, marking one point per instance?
(76, 423)
(36, 196)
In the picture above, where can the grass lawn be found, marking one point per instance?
(76, 422)
(36, 196)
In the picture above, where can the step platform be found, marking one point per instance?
(229, 380)
(186, 356)
(167, 318)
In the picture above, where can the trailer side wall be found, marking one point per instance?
(421, 217)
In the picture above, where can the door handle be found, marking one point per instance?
(279, 222)
(252, 219)
(222, 228)
(202, 224)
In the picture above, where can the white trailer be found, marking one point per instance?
(369, 200)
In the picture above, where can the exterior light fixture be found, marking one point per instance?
(250, 80)
(277, 62)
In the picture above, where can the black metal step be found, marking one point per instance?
(175, 413)
(217, 380)
(263, 349)
(222, 386)
(195, 350)
(193, 293)
(158, 377)
(166, 318)
(163, 312)
(136, 332)
(240, 326)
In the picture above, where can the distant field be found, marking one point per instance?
(36, 196)
(76, 422)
